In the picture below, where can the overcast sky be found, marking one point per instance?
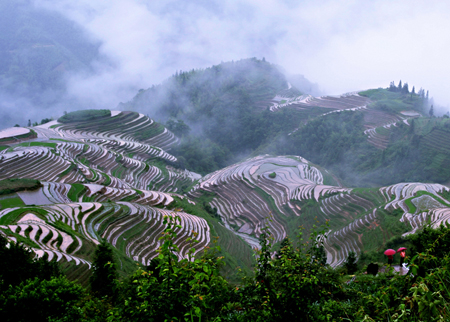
(342, 45)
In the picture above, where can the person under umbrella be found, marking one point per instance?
(402, 251)
(390, 254)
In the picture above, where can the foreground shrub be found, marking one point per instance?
(40, 300)
(18, 264)
(174, 290)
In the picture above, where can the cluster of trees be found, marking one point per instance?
(405, 90)
(400, 88)
(295, 284)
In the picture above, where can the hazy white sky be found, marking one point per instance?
(342, 45)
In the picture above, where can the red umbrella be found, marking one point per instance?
(401, 249)
(389, 252)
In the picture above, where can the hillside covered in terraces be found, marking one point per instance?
(114, 175)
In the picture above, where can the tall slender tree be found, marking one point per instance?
(405, 89)
(104, 271)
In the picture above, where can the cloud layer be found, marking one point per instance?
(344, 46)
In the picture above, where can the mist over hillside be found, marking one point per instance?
(221, 113)
(140, 43)
(39, 49)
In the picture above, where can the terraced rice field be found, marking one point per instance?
(378, 124)
(71, 162)
(438, 140)
(112, 179)
(71, 230)
(246, 194)
(344, 102)
(95, 184)
(123, 126)
(290, 190)
(427, 204)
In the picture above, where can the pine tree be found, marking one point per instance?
(421, 93)
(392, 87)
(431, 112)
(405, 89)
(104, 271)
(399, 88)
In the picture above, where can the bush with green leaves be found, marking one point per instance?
(190, 289)
(288, 286)
(12, 185)
(39, 299)
(292, 284)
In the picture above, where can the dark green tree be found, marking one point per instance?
(350, 264)
(431, 112)
(104, 271)
(19, 264)
(392, 87)
(405, 89)
(179, 128)
(41, 300)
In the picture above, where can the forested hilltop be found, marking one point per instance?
(245, 108)
(221, 113)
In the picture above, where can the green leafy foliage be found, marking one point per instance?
(295, 284)
(178, 127)
(18, 265)
(189, 289)
(41, 300)
(350, 264)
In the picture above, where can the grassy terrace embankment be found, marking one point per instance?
(84, 116)
(8, 186)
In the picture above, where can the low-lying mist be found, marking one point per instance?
(343, 46)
